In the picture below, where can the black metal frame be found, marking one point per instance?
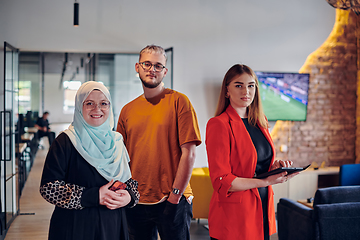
(5, 226)
(172, 65)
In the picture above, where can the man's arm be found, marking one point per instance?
(43, 129)
(184, 171)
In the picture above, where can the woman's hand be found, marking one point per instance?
(280, 178)
(113, 200)
(241, 184)
(281, 163)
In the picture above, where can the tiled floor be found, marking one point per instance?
(199, 232)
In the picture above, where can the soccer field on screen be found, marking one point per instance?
(280, 107)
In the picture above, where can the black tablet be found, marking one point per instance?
(289, 170)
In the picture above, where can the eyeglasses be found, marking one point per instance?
(158, 67)
(90, 105)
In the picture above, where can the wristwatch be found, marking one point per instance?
(176, 191)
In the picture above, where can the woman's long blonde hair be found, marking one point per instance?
(255, 111)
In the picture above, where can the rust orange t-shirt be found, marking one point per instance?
(154, 130)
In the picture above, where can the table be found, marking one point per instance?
(27, 137)
(20, 147)
(31, 129)
(306, 203)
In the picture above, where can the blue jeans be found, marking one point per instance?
(172, 221)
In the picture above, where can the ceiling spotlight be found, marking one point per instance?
(76, 14)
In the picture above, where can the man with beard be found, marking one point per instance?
(161, 132)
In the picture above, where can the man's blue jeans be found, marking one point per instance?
(170, 220)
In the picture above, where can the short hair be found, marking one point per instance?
(46, 112)
(153, 49)
(255, 111)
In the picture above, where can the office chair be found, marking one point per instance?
(349, 175)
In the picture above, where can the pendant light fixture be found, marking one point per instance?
(346, 4)
(76, 14)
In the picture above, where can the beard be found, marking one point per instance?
(150, 85)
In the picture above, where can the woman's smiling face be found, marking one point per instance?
(96, 108)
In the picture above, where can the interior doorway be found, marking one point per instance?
(9, 113)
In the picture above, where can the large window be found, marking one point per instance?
(117, 72)
(55, 77)
(29, 82)
(70, 89)
(24, 97)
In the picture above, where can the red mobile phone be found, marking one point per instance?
(117, 185)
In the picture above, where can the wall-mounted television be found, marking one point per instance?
(284, 96)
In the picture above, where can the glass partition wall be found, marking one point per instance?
(117, 72)
(9, 114)
(60, 75)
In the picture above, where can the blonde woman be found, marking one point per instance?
(239, 147)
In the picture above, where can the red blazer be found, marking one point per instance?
(231, 154)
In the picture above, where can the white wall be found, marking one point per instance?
(208, 36)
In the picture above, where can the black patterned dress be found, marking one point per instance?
(72, 185)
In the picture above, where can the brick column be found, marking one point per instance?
(357, 143)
